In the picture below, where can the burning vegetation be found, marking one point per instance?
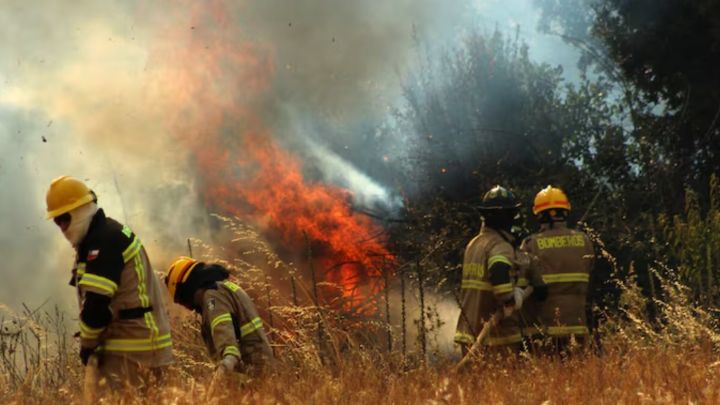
(218, 82)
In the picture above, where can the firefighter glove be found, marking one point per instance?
(518, 297)
(228, 363)
(85, 353)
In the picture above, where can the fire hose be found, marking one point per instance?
(91, 380)
(496, 317)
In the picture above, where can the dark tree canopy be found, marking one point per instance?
(665, 54)
(626, 141)
(485, 114)
(670, 49)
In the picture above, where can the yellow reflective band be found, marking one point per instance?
(231, 350)
(142, 289)
(251, 326)
(150, 323)
(461, 337)
(87, 332)
(99, 282)
(476, 285)
(126, 231)
(232, 286)
(498, 259)
(566, 278)
(132, 250)
(567, 330)
(143, 297)
(532, 330)
(224, 317)
(503, 340)
(81, 269)
(137, 345)
(502, 288)
(522, 282)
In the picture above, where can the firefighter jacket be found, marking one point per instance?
(491, 269)
(231, 326)
(121, 307)
(566, 258)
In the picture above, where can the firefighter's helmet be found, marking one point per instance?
(499, 198)
(65, 194)
(178, 273)
(550, 198)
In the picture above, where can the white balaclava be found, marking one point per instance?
(80, 223)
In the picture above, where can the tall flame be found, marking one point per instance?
(215, 84)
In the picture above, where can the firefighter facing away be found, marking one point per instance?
(566, 256)
(493, 276)
(123, 320)
(231, 327)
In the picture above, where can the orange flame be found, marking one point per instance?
(215, 83)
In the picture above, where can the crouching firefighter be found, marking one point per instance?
(231, 327)
(123, 322)
(490, 292)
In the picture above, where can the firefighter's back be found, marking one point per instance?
(253, 343)
(566, 258)
(479, 293)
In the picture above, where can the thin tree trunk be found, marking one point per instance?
(421, 290)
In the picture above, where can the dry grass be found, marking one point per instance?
(671, 361)
(637, 375)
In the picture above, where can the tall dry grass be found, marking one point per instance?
(329, 357)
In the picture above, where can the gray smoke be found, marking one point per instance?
(78, 96)
(340, 59)
(72, 102)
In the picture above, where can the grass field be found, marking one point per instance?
(675, 362)
(670, 358)
(639, 375)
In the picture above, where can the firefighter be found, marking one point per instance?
(492, 277)
(566, 257)
(123, 322)
(231, 327)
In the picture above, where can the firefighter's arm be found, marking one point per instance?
(98, 285)
(534, 270)
(95, 316)
(500, 269)
(218, 314)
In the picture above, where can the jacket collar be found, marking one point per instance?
(97, 222)
(507, 236)
(555, 225)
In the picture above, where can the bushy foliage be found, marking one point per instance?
(693, 240)
(486, 114)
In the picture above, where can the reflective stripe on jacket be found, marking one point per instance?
(232, 326)
(112, 262)
(479, 297)
(566, 258)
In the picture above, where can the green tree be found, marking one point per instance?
(486, 114)
(694, 241)
(483, 114)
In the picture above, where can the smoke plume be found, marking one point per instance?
(154, 105)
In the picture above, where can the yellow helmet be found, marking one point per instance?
(178, 273)
(549, 198)
(65, 194)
